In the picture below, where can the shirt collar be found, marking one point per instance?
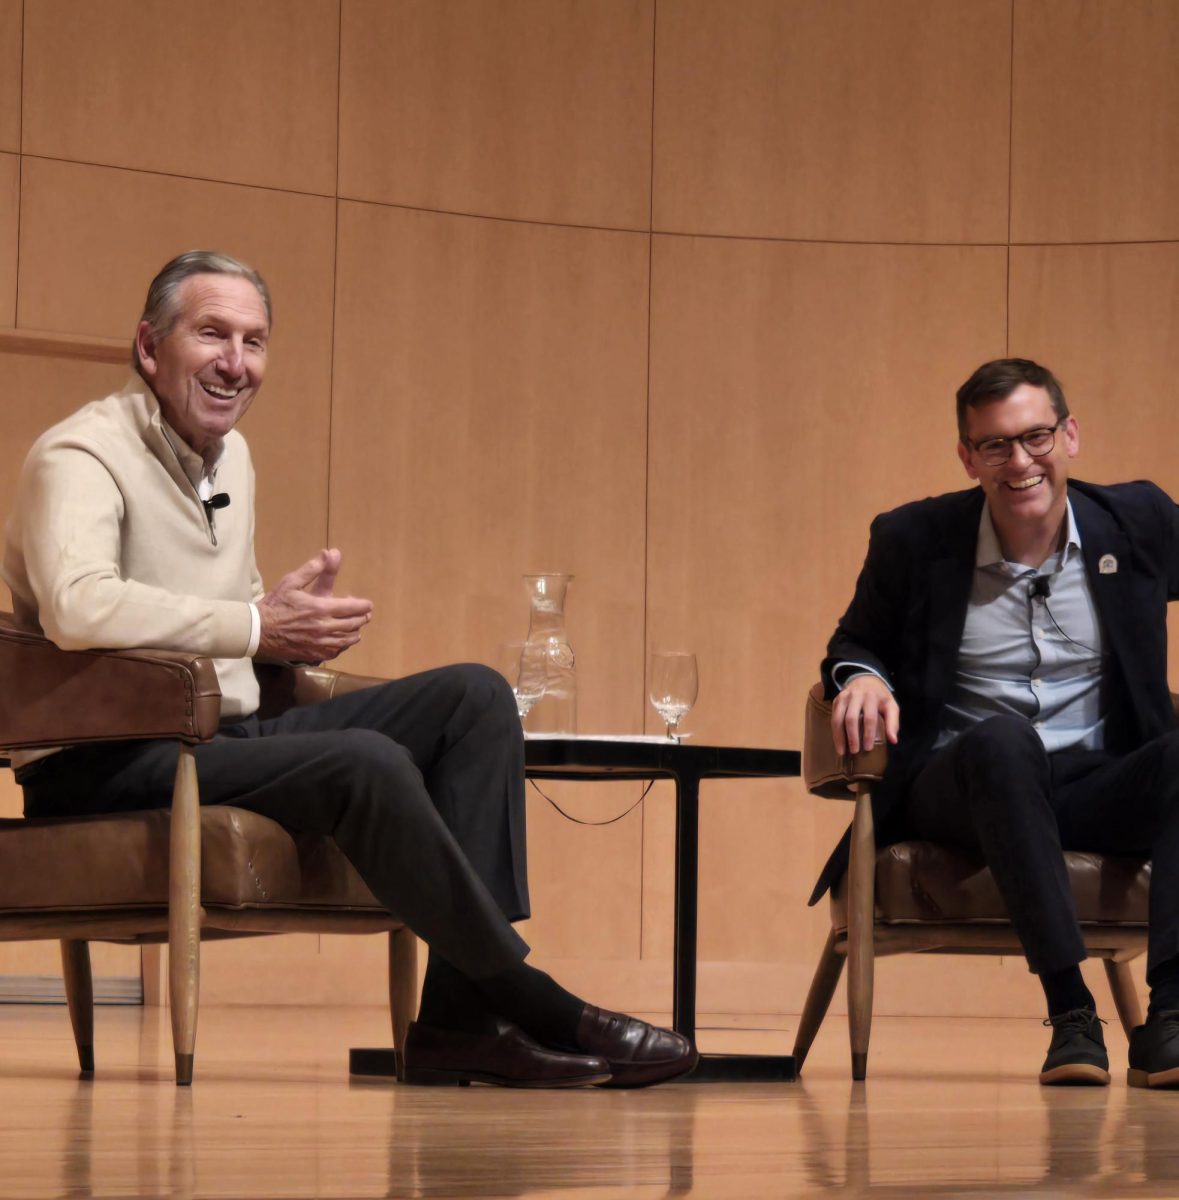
(194, 464)
(988, 552)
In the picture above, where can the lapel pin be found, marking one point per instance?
(1107, 565)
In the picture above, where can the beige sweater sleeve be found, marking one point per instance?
(68, 521)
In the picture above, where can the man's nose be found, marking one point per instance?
(232, 352)
(1020, 457)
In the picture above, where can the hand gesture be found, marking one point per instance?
(303, 622)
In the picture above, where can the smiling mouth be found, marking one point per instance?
(1023, 485)
(220, 393)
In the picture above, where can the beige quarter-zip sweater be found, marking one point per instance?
(110, 547)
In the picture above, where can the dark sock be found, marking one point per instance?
(535, 1002)
(1164, 987)
(1066, 990)
(451, 1001)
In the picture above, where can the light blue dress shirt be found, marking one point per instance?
(1023, 654)
(1040, 657)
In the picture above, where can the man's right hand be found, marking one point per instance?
(303, 622)
(864, 699)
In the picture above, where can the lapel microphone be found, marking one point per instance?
(220, 500)
(1039, 588)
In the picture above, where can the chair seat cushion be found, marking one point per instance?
(923, 881)
(121, 860)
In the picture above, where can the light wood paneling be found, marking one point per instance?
(10, 73)
(93, 237)
(532, 110)
(1106, 320)
(796, 391)
(9, 223)
(847, 120)
(490, 420)
(1095, 131)
(244, 93)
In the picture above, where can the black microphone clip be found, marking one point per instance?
(1040, 587)
(220, 500)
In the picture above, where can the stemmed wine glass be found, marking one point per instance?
(527, 685)
(674, 686)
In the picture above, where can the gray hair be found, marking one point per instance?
(162, 306)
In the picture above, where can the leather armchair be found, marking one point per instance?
(176, 875)
(921, 897)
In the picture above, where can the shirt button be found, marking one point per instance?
(1035, 683)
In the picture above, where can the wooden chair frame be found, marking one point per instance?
(853, 777)
(54, 697)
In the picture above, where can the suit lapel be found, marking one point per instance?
(1103, 541)
(951, 574)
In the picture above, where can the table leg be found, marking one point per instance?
(687, 864)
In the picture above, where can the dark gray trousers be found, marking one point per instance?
(420, 781)
(996, 792)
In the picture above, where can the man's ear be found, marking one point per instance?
(964, 455)
(145, 346)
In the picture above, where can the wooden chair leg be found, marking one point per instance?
(1125, 994)
(818, 999)
(403, 986)
(184, 913)
(79, 990)
(860, 922)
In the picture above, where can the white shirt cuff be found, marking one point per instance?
(844, 672)
(255, 631)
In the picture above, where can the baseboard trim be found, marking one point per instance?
(50, 989)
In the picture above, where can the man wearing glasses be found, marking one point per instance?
(1020, 629)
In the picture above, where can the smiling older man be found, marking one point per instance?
(1011, 642)
(134, 527)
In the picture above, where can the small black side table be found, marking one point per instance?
(565, 756)
(558, 756)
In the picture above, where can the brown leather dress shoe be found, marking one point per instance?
(508, 1057)
(638, 1054)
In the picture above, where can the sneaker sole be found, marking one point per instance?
(1075, 1075)
(1156, 1079)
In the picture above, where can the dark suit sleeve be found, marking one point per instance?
(870, 631)
(1170, 516)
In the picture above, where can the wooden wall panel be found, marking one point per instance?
(1106, 319)
(531, 110)
(796, 391)
(490, 420)
(244, 93)
(93, 237)
(10, 73)
(847, 120)
(1095, 129)
(9, 223)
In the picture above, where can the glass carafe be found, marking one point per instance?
(548, 656)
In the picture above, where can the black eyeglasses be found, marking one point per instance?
(997, 450)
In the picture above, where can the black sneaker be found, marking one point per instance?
(1076, 1054)
(1154, 1052)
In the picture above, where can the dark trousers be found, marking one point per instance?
(420, 781)
(996, 792)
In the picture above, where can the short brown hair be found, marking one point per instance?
(997, 379)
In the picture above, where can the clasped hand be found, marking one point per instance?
(303, 622)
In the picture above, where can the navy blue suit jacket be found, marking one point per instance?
(909, 609)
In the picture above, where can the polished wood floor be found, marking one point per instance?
(951, 1108)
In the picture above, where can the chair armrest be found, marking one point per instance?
(53, 697)
(286, 687)
(825, 772)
